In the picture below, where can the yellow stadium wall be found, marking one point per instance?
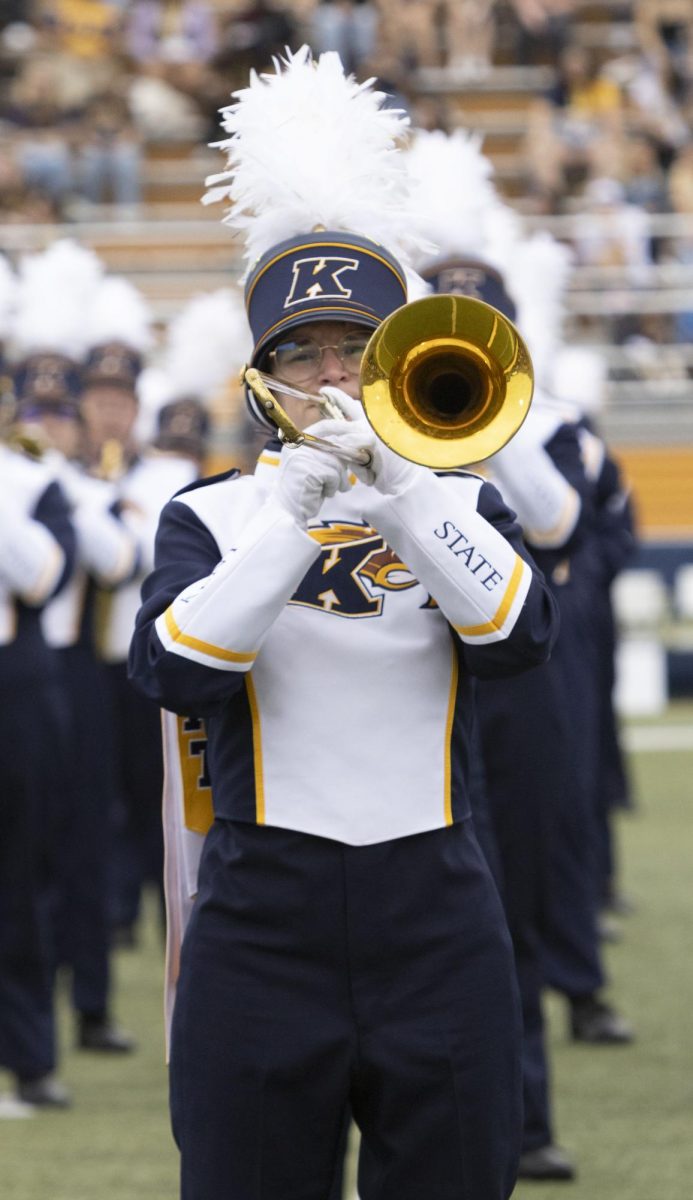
(661, 479)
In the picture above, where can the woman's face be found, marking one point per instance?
(316, 355)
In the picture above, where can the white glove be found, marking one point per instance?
(307, 476)
(387, 472)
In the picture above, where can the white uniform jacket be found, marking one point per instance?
(333, 666)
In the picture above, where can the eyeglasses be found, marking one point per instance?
(299, 359)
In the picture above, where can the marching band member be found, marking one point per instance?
(347, 947)
(119, 336)
(54, 297)
(573, 960)
(577, 382)
(206, 344)
(537, 750)
(37, 546)
(168, 403)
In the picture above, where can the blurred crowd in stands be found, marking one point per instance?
(88, 84)
(90, 88)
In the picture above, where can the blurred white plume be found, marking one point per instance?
(207, 342)
(119, 313)
(458, 207)
(54, 296)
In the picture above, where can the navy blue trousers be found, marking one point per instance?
(524, 727)
(572, 952)
(83, 933)
(32, 794)
(318, 977)
(138, 854)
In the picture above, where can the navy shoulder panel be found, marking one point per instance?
(205, 480)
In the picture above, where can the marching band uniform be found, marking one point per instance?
(346, 947)
(533, 738)
(146, 479)
(119, 334)
(54, 294)
(525, 722)
(107, 556)
(571, 943)
(615, 537)
(148, 484)
(37, 548)
(547, 720)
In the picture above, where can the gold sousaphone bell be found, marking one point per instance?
(445, 381)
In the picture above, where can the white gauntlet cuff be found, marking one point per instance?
(106, 547)
(472, 572)
(31, 560)
(221, 620)
(547, 505)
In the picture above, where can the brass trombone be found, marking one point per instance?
(446, 381)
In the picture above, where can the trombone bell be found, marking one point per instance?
(446, 381)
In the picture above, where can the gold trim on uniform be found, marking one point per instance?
(257, 751)
(203, 647)
(447, 769)
(497, 621)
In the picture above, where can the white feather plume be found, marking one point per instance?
(451, 190)
(207, 342)
(119, 313)
(55, 292)
(536, 277)
(459, 208)
(309, 146)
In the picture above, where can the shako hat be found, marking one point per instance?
(470, 277)
(321, 276)
(319, 193)
(47, 382)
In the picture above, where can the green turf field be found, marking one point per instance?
(626, 1114)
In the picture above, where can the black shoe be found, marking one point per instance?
(593, 1021)
(46, 1092)
(546, 1162)
(99, 1033)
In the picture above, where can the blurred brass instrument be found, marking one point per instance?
(112, 464)
(445, 381)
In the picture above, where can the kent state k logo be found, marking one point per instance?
(319, 277)
(354, 570)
